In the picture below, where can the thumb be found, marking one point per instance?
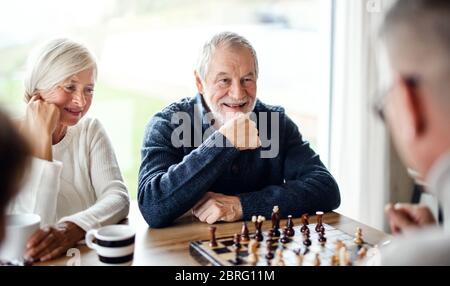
(399, 219)
(410, 210)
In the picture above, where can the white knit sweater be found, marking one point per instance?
(82, 185)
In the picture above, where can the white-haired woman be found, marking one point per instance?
(75, 183)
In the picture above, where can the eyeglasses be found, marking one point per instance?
(380, 102)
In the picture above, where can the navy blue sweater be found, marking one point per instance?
(172, 179)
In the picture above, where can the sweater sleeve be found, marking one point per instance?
(308, 186)
(39, 193)
(171, 183)
(113, 202)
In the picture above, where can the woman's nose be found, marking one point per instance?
(80, 99)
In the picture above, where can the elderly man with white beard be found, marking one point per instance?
(224, 154)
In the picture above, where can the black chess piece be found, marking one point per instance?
(276, 221)
(258, 234)
(306, 232)
(290, 227)
(306, 240)
(269, 238)
(284, 238)
(269, 254)
(237, 259)
(306, 251)
(322, 239)
(319, 221)
(305, 223)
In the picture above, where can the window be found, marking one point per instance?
(147, 52)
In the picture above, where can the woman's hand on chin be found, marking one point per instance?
(41, 120)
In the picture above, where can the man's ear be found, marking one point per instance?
(198, 83)
(413, 102)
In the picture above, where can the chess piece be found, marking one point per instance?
(212, 231)
(359, 237)
(306, 240)
(258, 225)
(237, 240)
(334, 261)
(306, 251)
(344, 257)
(237, 259)
(336, 258)
(348, 259)
(290, 227)
(255, 222)
(305, 223)
(319, 220)
(253, 257)
(284, 238)
(269, 238)
(269, 249)
(244, 233)
(279, 260)
(362, 253)
(276, 221)
(317, 261)
(306, 232)
(322, 239)
(299, 258)
(338, 245)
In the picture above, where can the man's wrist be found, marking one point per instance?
(239, 211)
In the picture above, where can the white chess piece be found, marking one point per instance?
(278, 260)
(253, 257)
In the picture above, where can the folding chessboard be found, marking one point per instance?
(223, 254)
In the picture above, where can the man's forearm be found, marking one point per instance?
(164, 196)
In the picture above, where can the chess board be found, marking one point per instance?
(223, 254)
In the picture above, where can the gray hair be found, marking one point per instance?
(55, 62)
(227, 39)
(418, 34)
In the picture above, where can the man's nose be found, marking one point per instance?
(237, 91)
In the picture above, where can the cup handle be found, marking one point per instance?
(90, 236)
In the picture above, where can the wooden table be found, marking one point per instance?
(170, 246)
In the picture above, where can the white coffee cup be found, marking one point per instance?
(114, 244)
(19, 228)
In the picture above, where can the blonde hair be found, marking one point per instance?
(55, 62)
